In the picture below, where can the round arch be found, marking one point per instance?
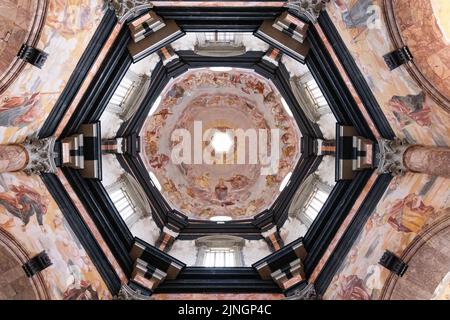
(15, 284)
(428, 259)
(21, 25)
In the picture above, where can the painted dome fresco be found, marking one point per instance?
(220, 142)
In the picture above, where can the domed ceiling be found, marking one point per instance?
(211, 142)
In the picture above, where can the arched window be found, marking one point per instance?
(314, 203)
(310, 96)
(220, 251)
(309, 200)
(126, 194)
(128, 95)
(218, 44)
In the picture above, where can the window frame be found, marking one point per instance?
(220, 243)
(303, 197)
(304, 88)
(219, 44)
(129, 187)
(127, 103)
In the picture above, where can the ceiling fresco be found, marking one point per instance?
(232, 118)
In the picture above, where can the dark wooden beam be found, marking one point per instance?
(79, 74)
(82, 232)
(351, 233)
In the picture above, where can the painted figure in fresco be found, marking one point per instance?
(159, 161)
(24, 204)
(357, 15)
(272, 180)
(409, 214)
(411, 107)
(79, 289)
(20, 111)
(351, 288)
(278, 113)
(270, 98)
(288, 138)
(164, 113)
(238, 181)
(83, 291)
(254, 206)
(202, 181)
(221, 190)
(289, 151)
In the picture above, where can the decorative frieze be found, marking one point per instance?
(166, 239)
(152, 266)
(273, 56)
(325, 147)
(285, 266)
(273, 238)
(354, 153)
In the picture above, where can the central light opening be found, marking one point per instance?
(221, 69)
(221, 142)
(221, 218)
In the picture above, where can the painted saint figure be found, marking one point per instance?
(221, 190)
(24, 204)
(20, 111)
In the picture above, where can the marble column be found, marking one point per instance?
(13, 157)
(430, 160)
(398, 157)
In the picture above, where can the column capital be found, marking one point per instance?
(127, 293)
(309, 8)
(125, 9)
(41, 155)
(390, 156)
(307, 293)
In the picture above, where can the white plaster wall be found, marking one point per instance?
(111, 169)
(187, 42)
(146, 65)
(292, 229)
(325, 171)
(255, 250)
(146, 229)
(327, 124)
(185, 251)
(253, 43)
(295, 68)
(110, 123)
